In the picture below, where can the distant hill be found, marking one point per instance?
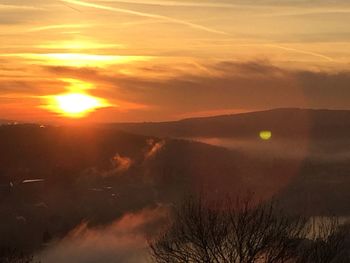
(289, 122)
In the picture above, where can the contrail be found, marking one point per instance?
(292, 50)
(305, 12)
(302, 52)
(149, 15)
(23, 7)
(61, 26)
(75, 9)
(176, 3)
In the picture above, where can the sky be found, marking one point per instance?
(156, 60)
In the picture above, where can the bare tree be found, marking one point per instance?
(220, 232)
(264, 232)
(195, 234)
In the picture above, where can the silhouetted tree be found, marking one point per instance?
(220, 232)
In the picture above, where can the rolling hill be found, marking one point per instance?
(284, 123)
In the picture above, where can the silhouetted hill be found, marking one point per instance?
(290, 123)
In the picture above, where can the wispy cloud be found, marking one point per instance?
(177, 3)
(143, 14)
(308, 11)
(290, 50)
(187, 23)
(59, 26)
(76, 59)
(18, 7)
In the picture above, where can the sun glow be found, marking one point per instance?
(75, 105)
(78, 45)
(77, 59)
(76, 102)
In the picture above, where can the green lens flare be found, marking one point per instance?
(265, 135)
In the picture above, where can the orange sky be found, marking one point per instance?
(151, 60)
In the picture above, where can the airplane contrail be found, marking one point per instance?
(291, 50)
(143, 14)
(75, 9)
(59, 26)
(305, 12)
(176, 3)
(302, 52)
(23, 7)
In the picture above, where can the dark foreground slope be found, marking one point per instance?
(54, 178)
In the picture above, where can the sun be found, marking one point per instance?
(76, 105)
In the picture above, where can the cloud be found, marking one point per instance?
(164, 92)
(226, 85)
(122, 241)
(29, 87)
